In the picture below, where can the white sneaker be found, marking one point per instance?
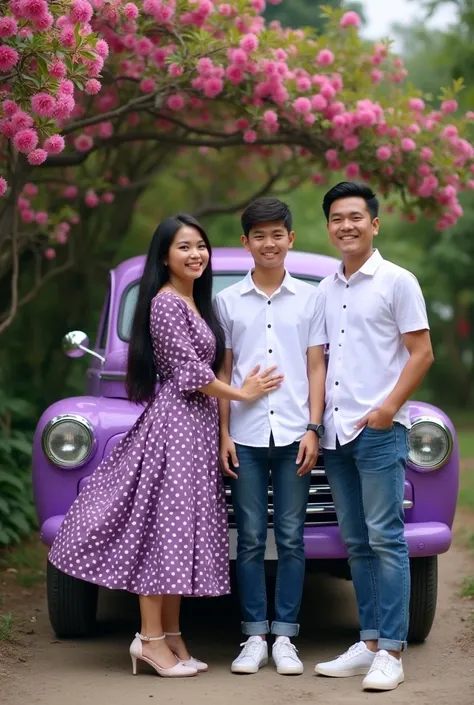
(286, 658)
(354, 662)
(386, 672)
(252, 657)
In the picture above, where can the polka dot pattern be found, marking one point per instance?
(152, 519)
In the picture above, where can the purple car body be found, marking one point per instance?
(74, 435)
(430, 495)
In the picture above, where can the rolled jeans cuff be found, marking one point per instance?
(285, 629)
(369, 635)
(255, 628)
(392, 645)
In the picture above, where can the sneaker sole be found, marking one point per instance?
(382, 687)
(246, 669)
(290, 671)
(321, 671)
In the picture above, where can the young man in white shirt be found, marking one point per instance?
(270, 318)
(379, 352)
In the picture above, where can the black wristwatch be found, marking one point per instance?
(317, 428)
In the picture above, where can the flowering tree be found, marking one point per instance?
(100, 95)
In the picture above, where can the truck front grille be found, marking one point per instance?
(320, 509)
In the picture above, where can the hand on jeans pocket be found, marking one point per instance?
(379, 420)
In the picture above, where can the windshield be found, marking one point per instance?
(129, 299)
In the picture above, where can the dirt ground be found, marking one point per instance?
(37, 668)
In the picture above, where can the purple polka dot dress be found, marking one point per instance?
(152, 519)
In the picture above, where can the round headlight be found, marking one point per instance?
(68, 440)
(431, 444)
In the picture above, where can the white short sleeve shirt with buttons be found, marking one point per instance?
(266, 331)
(365, 318)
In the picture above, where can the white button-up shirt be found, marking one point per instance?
(366, 317)
(266, 331)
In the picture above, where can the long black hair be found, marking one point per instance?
(141, 368)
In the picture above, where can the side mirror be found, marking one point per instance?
(76, 344)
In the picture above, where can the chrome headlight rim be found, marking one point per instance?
(434, 421)
(61, 418)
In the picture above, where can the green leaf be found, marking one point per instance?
(19, 521)
(11, 480)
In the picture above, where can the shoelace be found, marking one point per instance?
(251, 649)
(384, 663)
(352, 651)
(286, 650)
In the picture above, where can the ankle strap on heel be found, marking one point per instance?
(172, 633)
(149, 638)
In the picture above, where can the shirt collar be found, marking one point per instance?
(368, 268)
(248, 284)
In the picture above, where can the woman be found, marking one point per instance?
(152, 520)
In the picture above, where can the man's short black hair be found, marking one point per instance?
(347, 189)
(266, 210)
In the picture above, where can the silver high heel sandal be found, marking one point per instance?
(180, 670)
(200, 666)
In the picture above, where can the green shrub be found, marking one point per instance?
(17, 514)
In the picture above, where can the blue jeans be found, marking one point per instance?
(367, 479)
(250, 501)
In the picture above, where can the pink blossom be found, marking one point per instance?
(328, 91)
(37, 157)
(131, 11)
(105, 130)
(449, 106)
(325, 57)
(81, 12)
(213, 87)
(91, 199)
(249, 43)
(50, 253)
(176, 102)
(41, 217)
(258, 5)
(61, 238)
(21, 120)
(144, 46)
(331, 155)
(416, 104)
(175, 70)
(92, 86)
(57, 69)
(43, 104)
(108, 197)
(3, 186)
(302, 106)
(469, 185)
(83, 143)
(205, 67)
(29, 190)
(8, 58)
(226, 10)
(319, 103)
(8, 27)
(250, 136)
(27, 215)
(54, 144)
(351, 143)
(426, 154)
(350, 19)
(66, 87)
(67, 38)
(383, 153)
(33, 9)
(470, 115)
(408, 145)
(303, 84)
(317, 178)
(70, 192)
(64, 106)
(10, 107)
(25, 140)
(235, 74)
(42, 24)
(102, 48)
(449, 131)
(376, 75)
(424, 170)
(147, 85)
(352, 170)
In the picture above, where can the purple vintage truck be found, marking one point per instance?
(74, 435)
